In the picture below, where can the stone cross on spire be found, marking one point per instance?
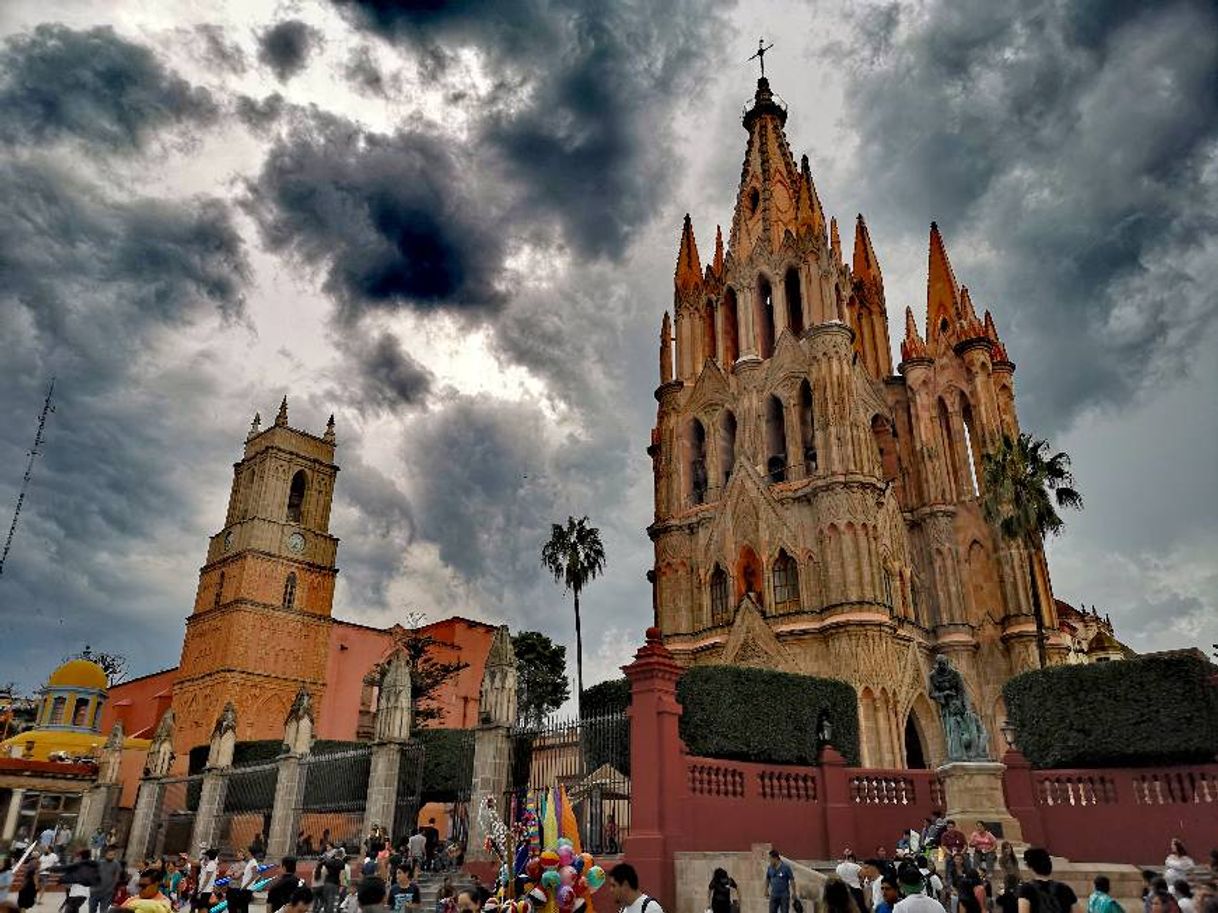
(762, 47)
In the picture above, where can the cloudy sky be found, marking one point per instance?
(456, 230)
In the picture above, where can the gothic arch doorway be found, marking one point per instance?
(915, 751)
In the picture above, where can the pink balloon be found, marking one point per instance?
(567, 875)
(565, 855)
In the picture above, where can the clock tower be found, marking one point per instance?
(260, 627)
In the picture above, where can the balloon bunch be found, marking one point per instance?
(256, 886)
(559, 877)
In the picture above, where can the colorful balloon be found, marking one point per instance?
(563, 841)
(578, 864)
(532, 868)
(567, 875)
(595, 877)
(549, 859)
(588, 861)
(550, 879)
(565, 855)
(566, 897)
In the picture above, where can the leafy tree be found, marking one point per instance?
(1024, 487)
(428, 672)
(541, 670)
(113, 664)
(574, 555)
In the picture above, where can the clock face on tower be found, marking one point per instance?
(296, 543)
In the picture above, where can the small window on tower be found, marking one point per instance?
(718, 597)
(754, 201)
(289, 592)
(296, 495)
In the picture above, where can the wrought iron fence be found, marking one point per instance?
(591, 759)
(249, 797)
(174, 822)
(411, 762)
(333, 791)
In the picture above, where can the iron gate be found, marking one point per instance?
(333, 792)
(249, 797)
(177, 805)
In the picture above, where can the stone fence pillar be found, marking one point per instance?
(285, 815)
(657, 766)
(211, 805)
(1020, 793)
(382, 786)
(839, 811)
(147, 801)
(492, 763)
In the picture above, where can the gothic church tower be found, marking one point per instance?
(814, 511)
(260, 626)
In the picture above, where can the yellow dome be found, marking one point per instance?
(78, 673)
(44, 742)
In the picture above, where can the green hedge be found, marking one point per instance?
(1149, 710)
(448, 764)
(760, 715)
(612, 696)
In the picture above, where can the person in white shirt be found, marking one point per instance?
(46, 861)
(208, 867)
(914, 898)
(1178, 864)
(848, 870)
(624, 886)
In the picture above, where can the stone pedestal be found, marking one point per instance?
(492, 757)
(382, 786)
(974, 792)
(211, 805)
(146, 802)
(285, 815)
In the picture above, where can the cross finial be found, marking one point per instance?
(762, 47)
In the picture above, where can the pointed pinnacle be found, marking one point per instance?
(718, 262)
(942, 290)
(689, 267)
(282, 417)
(835, 241)
(329, 436)
(865, 265)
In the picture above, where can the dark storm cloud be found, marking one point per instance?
(363, 73)
(93, 86)
(260, 115)
(285, 47)
(587, 89)
(392, 218)
(390, 377)
(1068, 152)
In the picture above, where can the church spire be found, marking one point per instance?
(769, 179)
(689, 268)
(942, 290)
(329, 437)
(717, 265)
(666, 349)
(865, 265)
(255, 427)
(835, 241)
(281, 419)
(912, 346)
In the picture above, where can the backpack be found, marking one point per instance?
(647, 901)
(1046, 897)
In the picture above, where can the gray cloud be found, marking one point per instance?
(218, 51)
(260, 115)
(362, 72)
(390, 377)
(392, 217)
(1068, 151)
(93, 86)
(285, 47)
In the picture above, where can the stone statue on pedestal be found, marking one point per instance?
(298, 727)
(967, 739)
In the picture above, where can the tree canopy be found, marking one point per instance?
(541, 670)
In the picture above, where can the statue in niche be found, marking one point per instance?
(966, 737)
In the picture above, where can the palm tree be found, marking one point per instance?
(1024, 487)
(574, 555)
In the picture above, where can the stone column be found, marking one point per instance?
(95, 805)
(12, 815)
(382, 786)
(974, 792)
(211, 806)
(658, 783)
(492, 763)
(839, 811)
(285, 815)
(146, 803)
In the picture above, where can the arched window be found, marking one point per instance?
(776, 440)
(727, 444)
(949, 448)
(710, 348)
(296, 495)
(57, 710)
(972, 450)
(915, 755)
(749, 577)
(219, 594)
(718, 596)
(887, 588)
(786, 583)
(731, 329)
(885, 442)
(697, 462)
(765, 317)
(807, 427)
(289, 591)
(795, 302)
(80, 713)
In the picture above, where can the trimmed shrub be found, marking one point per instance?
(764, 716)
(448, 763)
(1149, 710)
(608, 697)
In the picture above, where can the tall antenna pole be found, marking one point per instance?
(47, 408)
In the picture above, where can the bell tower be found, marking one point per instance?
(259, 631)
